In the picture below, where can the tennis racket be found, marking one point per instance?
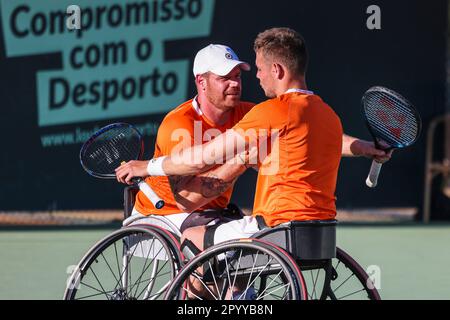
(392, 119)
(108, 148)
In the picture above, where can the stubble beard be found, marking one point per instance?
(222, 102)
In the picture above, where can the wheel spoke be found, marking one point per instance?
(350, 276)
(190, 292)
(128, 259)
(93, 288)
(95, 276)
(205, 286)
(279, 288)
(109, 267)
(350, 294)
(235, 274)
(152, 280)
(143, 268)
(313, 294)
(255, 259)
(214, 277)
(262, 269)
(265, 289)
(117, 261)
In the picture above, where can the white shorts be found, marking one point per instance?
(236, 229)
(148, 248)
(172, 222)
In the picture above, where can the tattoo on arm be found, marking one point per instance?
(177, 184)
(212, 186)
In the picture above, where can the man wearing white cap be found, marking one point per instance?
(216, 108)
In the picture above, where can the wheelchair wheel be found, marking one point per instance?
(346, 278)
(350, 281)
(253, 269)
(132, 263)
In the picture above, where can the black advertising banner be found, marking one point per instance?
(131, 61)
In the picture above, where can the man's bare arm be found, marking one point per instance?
(201, 158)
(191, 192)
(196, 191)
(183, 164)
(354, 147)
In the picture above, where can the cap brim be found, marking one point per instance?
(229, 66)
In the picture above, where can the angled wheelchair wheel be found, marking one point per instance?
(133, 263)
(344, 279)
(244, 269)
(350, 281)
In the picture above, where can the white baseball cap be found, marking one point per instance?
(218, 59)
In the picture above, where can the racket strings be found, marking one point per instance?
(399, 109)
(395, 134)
(108, 150)
(392, 118)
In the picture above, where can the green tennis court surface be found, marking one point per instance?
(412, 259)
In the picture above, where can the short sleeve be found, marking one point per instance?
(257, 122)
(257, 118)
(174, 132)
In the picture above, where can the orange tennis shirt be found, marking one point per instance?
(297, 178)
(183, 127)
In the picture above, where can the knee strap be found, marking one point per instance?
(208, 239)
(189, 249)
(261, 222)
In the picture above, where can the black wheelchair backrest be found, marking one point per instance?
(305, 240)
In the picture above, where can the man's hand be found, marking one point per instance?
(354, 147)
(130, 170)
(367, 149)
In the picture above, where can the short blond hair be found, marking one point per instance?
(284, 45)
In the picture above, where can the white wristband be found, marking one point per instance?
(154, 167)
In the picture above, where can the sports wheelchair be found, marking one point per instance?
(143, 260)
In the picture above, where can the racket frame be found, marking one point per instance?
(372, 178)
(138, 181)
(98, 133)
(403, 100)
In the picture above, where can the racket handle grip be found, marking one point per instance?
(372, 178)
(150, 194)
